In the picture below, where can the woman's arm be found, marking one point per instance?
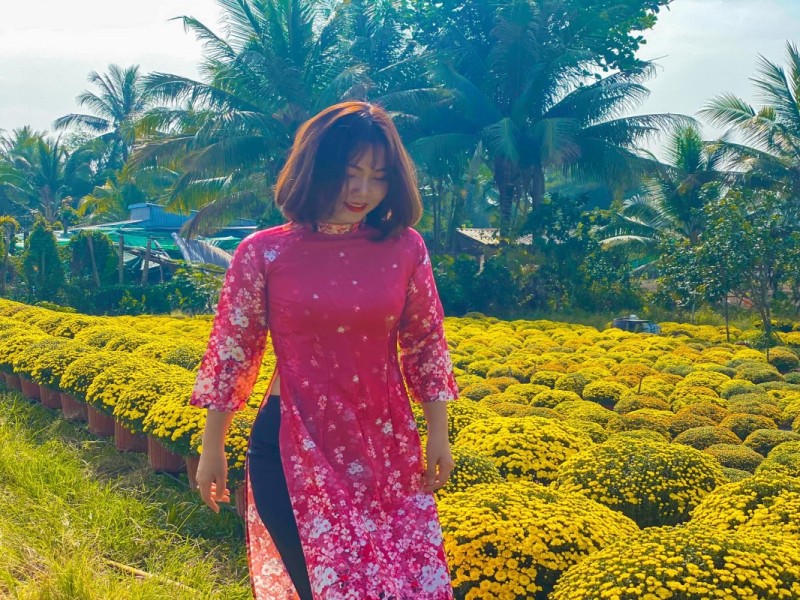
(230, 364)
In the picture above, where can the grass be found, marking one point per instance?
(75, 513)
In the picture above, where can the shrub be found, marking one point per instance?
(707, 379)
(703, 437)
(514, 540)
(50, 366)
(645, 418)
(743, 425)
(526, 391)
(758, 373)
(508, 371)
(481, 367)
(78, 376)
(631, 401)
(687, 420)
(783, 359)
(548, 378)
(24, 362)
(764, 440)
(470, 469)
(784, 459)
(690, 563)
(732, 505)
(735, 474)
(605, 393)
(705, 409)
(476, 391)
(586, 411)
(735, 387)
(783, 515)
(112, 383)
(501, 383)
(524, 447)
(552, 398)
(173, 421)
(572, 382)
(652, 483)
(145, 389)
(735, 456)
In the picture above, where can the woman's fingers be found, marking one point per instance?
(211, 494)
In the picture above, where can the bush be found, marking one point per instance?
(514, 540)
(758, 373)
(735, 474)
(784, 459)
(586, 411)
(783, 515)
(572, 382)
(690, 563)
(173, 421)
(476, 391)
(783, 359)
(735, 387)
(735, 456)
(146, 388)
(79, 375)
(652, 483)
(764, 440)
(548, 378)
(552, 398)
(743, 425)
(605, 393)
(470, 469)
(630, 402)
(732, 505)
(685, 421)
(645, 418)
(524, 447)
(709, 410)
(703, 437)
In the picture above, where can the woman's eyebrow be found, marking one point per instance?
(358, 167)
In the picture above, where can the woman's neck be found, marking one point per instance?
(335, 228)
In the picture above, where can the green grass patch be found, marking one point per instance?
(72, 506)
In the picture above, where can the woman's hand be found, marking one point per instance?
(439, 461)
(212, 475)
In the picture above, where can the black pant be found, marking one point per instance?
(272, 496)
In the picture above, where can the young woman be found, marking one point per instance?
(340, 500)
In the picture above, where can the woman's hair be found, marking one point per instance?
(315, 174)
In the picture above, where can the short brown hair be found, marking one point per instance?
(315, 173)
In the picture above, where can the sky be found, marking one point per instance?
(48, 48)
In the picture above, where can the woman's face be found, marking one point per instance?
(364, 188)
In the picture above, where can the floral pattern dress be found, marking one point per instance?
(337, 306)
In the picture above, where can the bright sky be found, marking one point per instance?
(48, 47)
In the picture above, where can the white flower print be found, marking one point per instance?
(308, 444)
(231, 350)
(319, 526)
(239, 319)
(355, 468)
(203, 385)
(324, 577)
(370, 525)
(423, 501)
(433, 578)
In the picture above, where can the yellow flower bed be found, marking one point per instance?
(524, 447)
(513, 540)
(687, 563)
(732, 505)
(653, 483)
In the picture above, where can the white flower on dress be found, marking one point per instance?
(387, 427)
(371, 570)
(203, 385)
(355, 468)
(324, 577)
(239, 319)
(434, 533)
(433, 578)
(319, 526)
(370, 525)
(270, 255)
(308, 444)
(231, 350)
(423, 501)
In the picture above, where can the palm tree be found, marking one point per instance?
(42, 174)
(530, 100)
(120, 101)
(672, 201)
(770, 148)
(280, 62)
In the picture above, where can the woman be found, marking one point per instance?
(340, 503)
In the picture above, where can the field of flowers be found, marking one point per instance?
(589, 464)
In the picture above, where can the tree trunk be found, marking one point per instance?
(504, 179)
(95, 274)
(4, 273)
(121, 263)
(146, 264)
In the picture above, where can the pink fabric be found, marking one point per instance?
(337, 305)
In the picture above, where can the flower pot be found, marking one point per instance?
(192, 462)
(13, 381)
(127, 441)
(162, 460)
(50, 398)
(240, 499)
(99, 424)
(73, 409)
(29, 389)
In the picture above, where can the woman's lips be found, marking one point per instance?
(354, 208)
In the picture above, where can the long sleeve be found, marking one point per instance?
(238, 338)
(425, 357)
